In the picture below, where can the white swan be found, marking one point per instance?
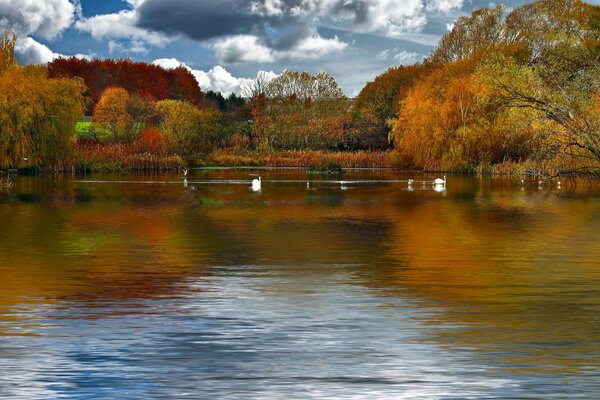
(439, 181)
(257, 184)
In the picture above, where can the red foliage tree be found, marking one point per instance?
(150, 82)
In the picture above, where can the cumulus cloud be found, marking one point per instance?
(248, 48)
(260, 31)
(243, 48)
(121, 31)
(45, 18)
(29, 51)
(217, 79)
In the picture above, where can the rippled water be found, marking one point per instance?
(138, 287)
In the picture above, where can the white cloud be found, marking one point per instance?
(243, 48)
(45, 18)
(407, 58)
(401, 57)
(29, 51)
(217, 79)
(122, 25)
(444, 5)
(133, 46)
(314, 47)
(249, 49)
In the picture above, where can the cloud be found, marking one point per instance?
(217, 79)
(135, 46)
(249, 49)
(401, 57)
(261, 31)
(29, 51)
(444, 5)
(121, 30)
(45, 18)
(243, 48)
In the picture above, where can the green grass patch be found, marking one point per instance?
(84, 130)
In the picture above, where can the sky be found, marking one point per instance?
(225, 43)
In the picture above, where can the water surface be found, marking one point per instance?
(141, 286)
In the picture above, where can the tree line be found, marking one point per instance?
(501, 88)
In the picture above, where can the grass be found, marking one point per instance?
(91, 156)
(84, 130)
(314, 160)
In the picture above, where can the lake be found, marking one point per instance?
(143, 287)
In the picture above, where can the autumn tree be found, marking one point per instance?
(379, 101)
(37, 117)
(151, 82)
(563, 74)
(298, 110)
(112, 120)
(188, 130)
(7, 51)
(480, 31)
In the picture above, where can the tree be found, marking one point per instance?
(298, 110)
(379, 101)
(304, 85)
(37, 117)
(150, 82)
(7, 51)
(481, 31)
(112, 120)
(188, 130)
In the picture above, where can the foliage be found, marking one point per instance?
(379, 101)
(217, 101)
(148, 81)
(91, 156)
(507, 90)
(187, 129)
(7, 51)
(112, 121)
(37, 117)
(482, 30)
(301, 111)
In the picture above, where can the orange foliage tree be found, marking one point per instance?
(112, 121)
(379, 101)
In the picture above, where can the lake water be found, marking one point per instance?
(137, 287)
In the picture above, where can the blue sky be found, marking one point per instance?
(225, 42)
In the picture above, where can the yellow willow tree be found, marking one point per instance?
(37, 114)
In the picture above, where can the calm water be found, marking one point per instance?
(134, 286)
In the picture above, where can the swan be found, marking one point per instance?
(257, 184)
(185, 172)
(439, 181)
